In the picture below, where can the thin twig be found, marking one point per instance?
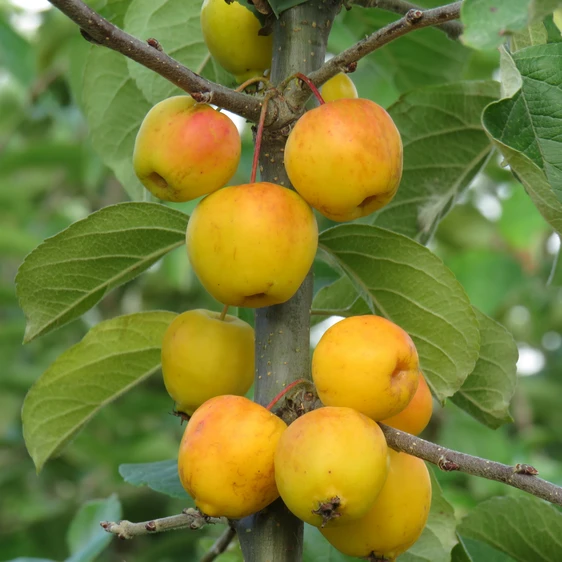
(518, 476)
(259, 137)
(223, 312)
(188, 519)
(414, 19)
(453, 29)
(220, 545)
(105, 33)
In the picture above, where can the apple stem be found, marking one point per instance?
(311, 85)
(259, 135)
(283, 392)
(223, 313)
(254, 80)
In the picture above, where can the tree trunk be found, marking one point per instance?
(282, 331)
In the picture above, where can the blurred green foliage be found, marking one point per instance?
(494, 240)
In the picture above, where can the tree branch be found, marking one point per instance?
(100, 31)
(414, 19)
(453, 28)
(220, 545)
(303, 398)
(519, 476)
(189, 519)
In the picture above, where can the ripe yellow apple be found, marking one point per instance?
(184, 150)
(204, 356)
(367, 363)
(231, 34)
(339, 87)
(225, 459)
(345, 158)
(330, 465)
(416, 415)
(252, 245)
(397, 518)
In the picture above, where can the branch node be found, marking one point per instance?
(525, 469)
(446, 465)
(351, 67)
(150, 526)
(154, 43)
(414, 16)
(89, 38)
(202, 97)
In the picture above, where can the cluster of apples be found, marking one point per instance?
(252, 245)
(331, 466)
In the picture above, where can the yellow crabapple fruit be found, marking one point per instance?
(184, 150)
(225, 460)
(252, 245)
(395, 520)
(204, 356)
(367, 363)
(230, 31)
(330, 465)
(345, 158)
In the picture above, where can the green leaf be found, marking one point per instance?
(535, 34)
(523, 527)
(444, 148)
(406, 283)
(176, 23)
(474, 551)
(487, 392)
(85, 538)
(487, 23)
(460, 554)
(114, 108)
(317, 549)
(340, 298)
(417, 59)
(113, 357)
(442, 521)
(530, 122)
(70, 272)
(26, 559)
(115, 10)
(159, 476)
(439, 536)
(16, 54)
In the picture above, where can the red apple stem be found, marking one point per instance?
(223, 313)
(254, 80)
(282, 393)
(311, 85)
(259, 135)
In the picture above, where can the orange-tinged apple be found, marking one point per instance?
(367, 363)
(184, 150)
(226, 457)
(204, 356)
(416, 415)
(396, 519)
(345, 158)
(252, 245)
(339, 87)
(230, 31)
(330, 465)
